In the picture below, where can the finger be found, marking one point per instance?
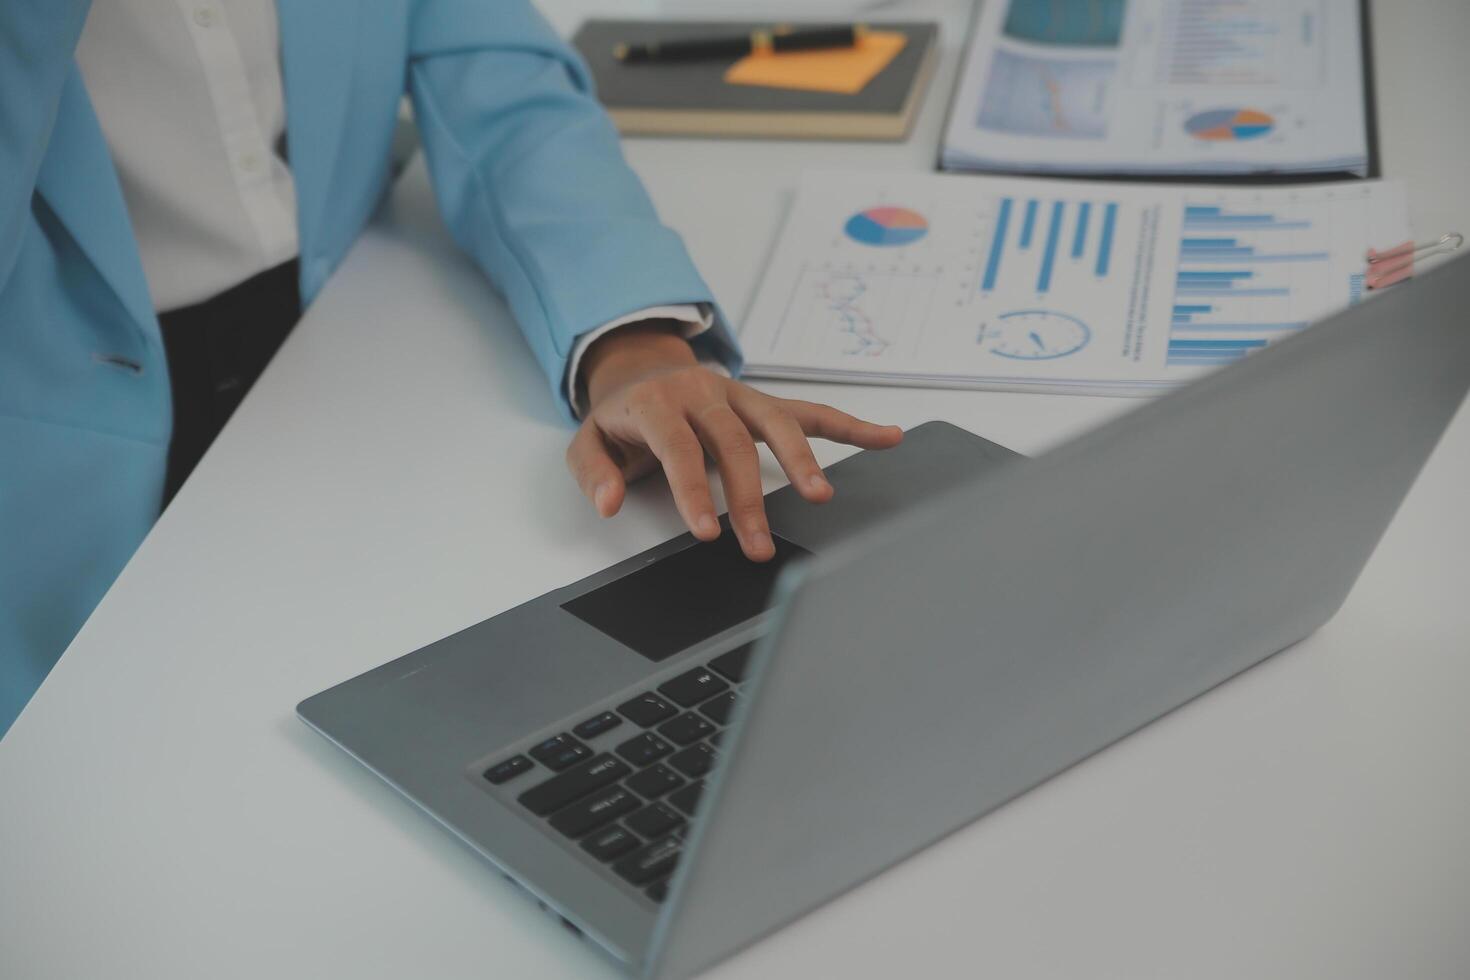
(678, 449)
(636, 462)
(595, 471)
(770, 422)
(826, 422)
(730, 443)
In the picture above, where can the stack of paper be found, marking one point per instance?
(1047, 285)
(1162, 87)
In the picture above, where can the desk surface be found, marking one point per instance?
(165, 815)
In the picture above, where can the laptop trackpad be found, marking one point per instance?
(676, 601)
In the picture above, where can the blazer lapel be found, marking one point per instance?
(318, 53)
(78, 181)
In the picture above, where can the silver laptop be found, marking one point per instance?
(687, 751)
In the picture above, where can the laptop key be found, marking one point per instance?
(610, 842)
(572, 785)
(560, 751)
(654, 820)
(694, 761)
(647, 710)
(718, 709)
(597, 724)
(654, 861)
(733, 665)
(596, 810)
(643, 749)
(687, 798)
(654, 782)
(686, 729)
(693, 686)
(509, 769)
(658, 891)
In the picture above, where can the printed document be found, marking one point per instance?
(1162, 87)
(1051, 285)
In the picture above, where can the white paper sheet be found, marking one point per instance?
(1161, 86)
(965, 281)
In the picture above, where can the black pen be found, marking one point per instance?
(781, 38)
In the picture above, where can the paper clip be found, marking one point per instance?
(1397, 264)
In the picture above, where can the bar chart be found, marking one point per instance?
(1038, 242)
(1233, 289)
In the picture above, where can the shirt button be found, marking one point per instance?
(204, 16)
(250, 162)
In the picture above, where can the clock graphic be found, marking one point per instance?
(1034, 335)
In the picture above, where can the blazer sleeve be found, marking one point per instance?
(531, 180)
(38, 39)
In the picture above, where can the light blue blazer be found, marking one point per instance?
(528, 174)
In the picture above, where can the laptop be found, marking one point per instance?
(686, 751)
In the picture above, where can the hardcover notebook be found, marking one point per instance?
(694, 98)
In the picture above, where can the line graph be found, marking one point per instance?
(1032, 96)
(843, 296)
(857, 311)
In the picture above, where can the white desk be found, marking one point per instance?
(165, 816)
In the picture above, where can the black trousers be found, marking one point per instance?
(216, 350)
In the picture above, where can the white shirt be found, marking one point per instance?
(189, 97)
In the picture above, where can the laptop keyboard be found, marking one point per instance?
(629, 807)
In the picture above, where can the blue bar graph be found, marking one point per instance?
(1028, 224)
(1242, 252)
(1255, 222)
(1216, 249)
(1194, 283)
(1205, 359)
(1233, 288)
(1223, 289)
(1245, 253)
(1053, 232)
(1272, 327)
(1051, 229)
(1105, 246)
(1213, 275)
(1199, 217)
(997, 244)
(1184, 345)
(1079, 237)
(1177, 353)
(1185, 312)
(1214, 351)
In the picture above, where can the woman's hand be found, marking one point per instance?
(652, 403)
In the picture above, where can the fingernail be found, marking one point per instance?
(599, 495)
(761, 541)
(707, 525)
(818, 482)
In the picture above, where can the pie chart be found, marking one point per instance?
(886, 225)
(1229, 124)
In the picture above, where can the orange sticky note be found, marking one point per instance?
(841, 70)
